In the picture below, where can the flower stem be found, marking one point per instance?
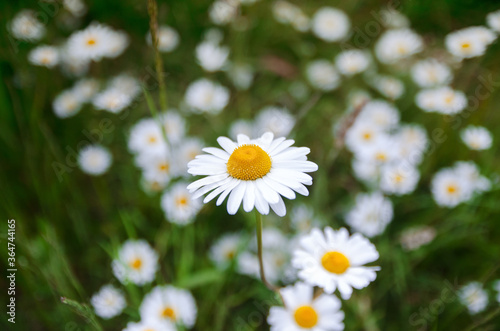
(153, 26)
(258, 219)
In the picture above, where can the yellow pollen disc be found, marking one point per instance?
(152, 139)
(181, 201)
(163, 167)
(451, 189)
(381, 157)
(91, 42)
(367, 136)
(136, 264)
(402, 49)
(168, 313)
(398, 178)
(248, 162)
(335, 262)
(230, 255)
(465, 45)
(306, 317)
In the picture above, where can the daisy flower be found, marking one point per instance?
(86, 88)
(390, 87)
(330, 24)
(126, 84)
(146, 136)
(168, 39)
(474, 297)
(304, 312)
(26, 26)
(46, 56)
(468, 42)
(241, 74)
(449, 189)
(395, 45)
(430, 73)
(322, 75)
(156, 166)
(414, 238)
(223, 12)
(380, 113)
(276, 120)
(476, 137)
(108, 302)
(469, 171)
(253, 172)
(211, 56)
(302, 218)
(241, 127)
(185, 152)
(91, 43)
(150, 325)
(169, 304)
(94, 159)
(352, 62)
(75, 7)
(334, 260)
(112, 100)
(371, 214)
(174, 125)
(493, 20)
(225, 249)
(136, 262)
(178, 205)
(449, 101)
(66, 104)
(393, 19)
(205, 96)
(399, 179)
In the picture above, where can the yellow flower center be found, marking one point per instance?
(249, 162)
(152, 139)
(136, 263)
(168, 313)
(181, 201)
(230, 255)
(91, 42)
(306, 317)
(163, 166)
(465, 45)
(381, 157)
(367, 136)
(398, 178)
(335, 262)
(451, 189)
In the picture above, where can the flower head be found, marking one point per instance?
(108, 302)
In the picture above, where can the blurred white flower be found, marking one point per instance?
(156, 166)
(379, 113)
(178, 205)
(26, 26)
(86, 88)
(75, 7)
(108, 302)
(277, 120)
(136, 262)
(493, 20)
(330, 24)
(146, 137)
(94, 159)
(443, 100)
(206, 96)
(395, 45)
(469, 42)
(399, 179)
(322, 75)
(393, 19)
(46, 56)
(173, 124)
(223, 11)
(474, 297)
(476, 137)
(211, 56)
(415, 237)
(449, 188)
(150, 325)
(168, 39)
(112, 100)
(352, 62)
(241, 127)
(185, 152)
(390, 87)
(66, 104)
(225, 249)
(241, 74)
(371, 214)
(431, 73)
(95, 42)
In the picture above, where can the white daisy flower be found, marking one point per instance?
(443, 100)
(253, 172)
(75, 7)
(474, 297)
(94, 159)
(302, 218)
(211, 56)
(300, 21)
(136, 262)
(91, 43)
(86, 88)
(223, 12)
(174, 125)
(427, 100)
(46, 56)
(334, 260)
(352, 62)
(225, 249)
(476, 137)
(469, 171)
(468, 42)
(241, 127)
(414, 238)
(274, 261)
(431, 73)
(303, 311)
(169, 304)
(284, 11)
(157, 166)
(379, 113)
(241, 75)
(186, 151)
(150, 325)
(371, 214)
(365, 170)
(330, 24)
(117, 43)
(71, 66)
(179, 206)
(26, 26)
(146, 136)
(112, 100)
(393, 19)
(126, 84)
(66, 104)
(108, 302)
(449, 189)
(168, 39)
(399, 179)
(204, 95)
(363, 135)
(493, 20)
(276, 120)
(412, 143)
(322, 75)
(390, 87)
(382, 152)
(395, 45)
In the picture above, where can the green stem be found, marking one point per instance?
(258, 219)
(153, 26)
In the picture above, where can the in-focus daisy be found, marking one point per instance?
(136, 262)
(395, 45)
(416, 237)
(399, 179)
(334, 260)
(211, 56)
(322, 75)
(179, 206)
(253, 172)
(449, 189)
(108, 302)
(204, 95)
(330, 24)
(169, 304)
(303, 311)
(225, 249)
(46, 56)
(66, 104)
(352, 62)
(371, 214)
(168, 39)
(276, 120)
(94, 159)
(476, 137)
(474, 297)
(150, 325)
(430, 73)
(26, 26)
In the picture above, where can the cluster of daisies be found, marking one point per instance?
(164, 308)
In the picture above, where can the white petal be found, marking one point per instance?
(279, 208)
(243, 139)
(206, 181)
(270, 195)
(208, 188)
(224, 194)
(217, 152)
(304, 166)
(219, 190)
(227, 144)
(291, 153)
(280, 188)
(235, 198)
(260, 203)
(281, 147)
(249, 197)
